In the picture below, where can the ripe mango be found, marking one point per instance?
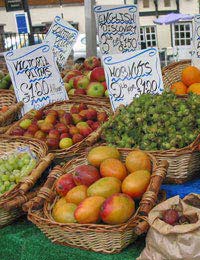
(88, 210)
(105, 187)
(117, 209)
(98, 154)
(77, 194)
(63, 212)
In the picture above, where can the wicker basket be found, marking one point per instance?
(7, 98)
(96, 237)
(66, 105)
(84, 98)
(11, 201)
(172, 73)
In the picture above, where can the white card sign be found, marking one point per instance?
(35, 76)
(61, 37)
(132, 74)
(118, 28)
(196, 42)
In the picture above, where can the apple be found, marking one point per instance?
(71, 74)
(95, 125)
(65, 135)
(104, 85)
(106, 93)
(102, 116)
(51, 112)
(73, 130)
(74, 110)
(65, 143)
(92, 62)
(50, 118)
(82, 106)
(64, 184)
(46, 127)
(33, 128)
(85, 131)
(71, 92)
(39, 123)
(40, 135)
(95, 89)
(82, 125)
(77, 118)
(38, 114)
(80, 91)
(61, 112)
(81, 82)
(67, 86)
(66, 119)
(24, 124)
(98, 74)
(18, 131)
(91, 114)
(61, 128)
(54, 134)
(90, 123)
(76, 138)
(52, 143)
(71, 83)
(29, 134)
(88, 74)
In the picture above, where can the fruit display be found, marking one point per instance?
(155, 122)
(5, 81)
(87, 79)
(61, 129)
(190, 82)
(13, 168)
(103, 190)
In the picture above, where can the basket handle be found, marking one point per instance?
(36, 173)
(18, 201)
(94, 137)
(45, 193)
(12, 109)
(149, 198)
(195, 145)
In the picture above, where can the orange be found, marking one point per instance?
(4, 109)
(138, 160)
(136, 183)
(113, 168)
(190, 75)
(194, 88)
(179, 88)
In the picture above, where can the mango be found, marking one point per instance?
(98, 154)
(76, 194)
(63, 212)
(105, 187)
(117, 209)
(88, 211)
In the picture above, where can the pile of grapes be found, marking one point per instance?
(13, 168)
(155, 122)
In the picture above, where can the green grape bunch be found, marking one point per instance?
(155, 122)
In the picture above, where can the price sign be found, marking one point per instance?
(61, 37)
(130, 75)
(196, 42)
(35, 76)
(118, 28)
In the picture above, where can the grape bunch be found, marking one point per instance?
(13, 168)
(155, 122)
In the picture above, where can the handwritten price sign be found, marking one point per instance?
(130, 75)
(61, 37)
(118, 28)
(35, 76)
(196, 42)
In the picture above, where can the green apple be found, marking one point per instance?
(67, 86)
(65, 143)
(106, 93)
(25, 123)
(71, 92)
(95, 89)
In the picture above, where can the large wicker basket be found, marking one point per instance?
(11, 201)
(7, 98)
(66, 105)
(172, 73)
(96, 237)
(84, 98)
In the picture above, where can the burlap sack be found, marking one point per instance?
(167, 242)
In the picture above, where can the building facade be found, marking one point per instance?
(163, 36)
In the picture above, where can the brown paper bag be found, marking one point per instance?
(167, 242)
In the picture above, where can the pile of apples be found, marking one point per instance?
(61, 129)
(104, 189)
(87, 79)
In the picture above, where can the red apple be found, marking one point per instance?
(33, 128)
(50, 118)
(64, 184)
(77, 118)
(81, 82)
(29, 134)
(38, 114)
(80, 91)
(82, 106)
(61, 112)
(18, 131)
(77, 138)
(54, 133)
(74, 110)
(92, 62)
(71, 74)
(66, 119)
(90, 123)
(102, 117)
(104, 85)
(98, 74)
(46, 127)
(85, 131)
(95, 89)
(95, 126)
(65, 135)
(40, 135)
(91, 114)
(83, 114)
(62, 128)
(52, 143)
(51, 112)
(86, 175)
(73, 130)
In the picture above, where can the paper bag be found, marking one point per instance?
(167, 242)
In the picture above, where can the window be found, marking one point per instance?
(182, 34)
(167, 3)
(145, 3)
(148, 36)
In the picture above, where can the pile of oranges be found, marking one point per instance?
(190, 82)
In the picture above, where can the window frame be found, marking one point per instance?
(147, 32)
(179, 34)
